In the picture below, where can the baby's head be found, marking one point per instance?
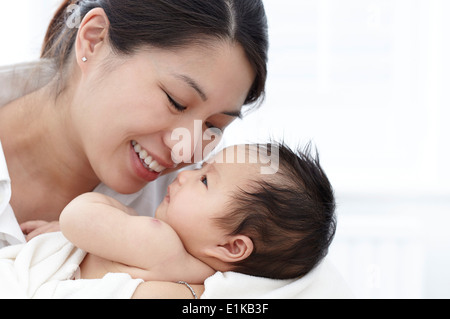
(234, 218)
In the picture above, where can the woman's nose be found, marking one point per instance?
(186, 142)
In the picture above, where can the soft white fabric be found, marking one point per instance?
(323, 282)
(10, 232)
(43, 269)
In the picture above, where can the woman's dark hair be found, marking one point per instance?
(167, 24)
(290, 217)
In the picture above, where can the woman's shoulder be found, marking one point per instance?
(20, 79)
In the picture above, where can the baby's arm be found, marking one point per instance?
(104, 227)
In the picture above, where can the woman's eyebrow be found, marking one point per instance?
(193, 84)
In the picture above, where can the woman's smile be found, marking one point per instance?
(147, 160)
(143, 163)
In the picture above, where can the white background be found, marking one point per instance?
(367, 82)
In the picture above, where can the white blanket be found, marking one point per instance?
(323, 282)
(43, 269)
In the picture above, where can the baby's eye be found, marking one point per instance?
(204, 180)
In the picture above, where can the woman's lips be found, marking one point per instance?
(140, 170)
(148, 161)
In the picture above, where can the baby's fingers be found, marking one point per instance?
(30, 226)
(37, 227)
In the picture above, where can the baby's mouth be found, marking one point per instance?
(147, 160)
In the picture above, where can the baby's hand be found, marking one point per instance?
(34, 228)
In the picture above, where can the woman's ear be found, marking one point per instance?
(237, 248)
(91, 35)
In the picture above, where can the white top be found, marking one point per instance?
(10, 232)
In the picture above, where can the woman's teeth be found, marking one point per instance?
(146, 159)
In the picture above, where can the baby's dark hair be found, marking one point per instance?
(290, 216)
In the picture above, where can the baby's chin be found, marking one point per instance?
(157, 214)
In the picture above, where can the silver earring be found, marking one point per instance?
(84, 59)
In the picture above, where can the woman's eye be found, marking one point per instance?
(209, 125)
(211, 130)
(177, 106)
(204, 180)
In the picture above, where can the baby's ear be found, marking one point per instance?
(237, 248)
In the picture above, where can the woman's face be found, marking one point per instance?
(125, 117)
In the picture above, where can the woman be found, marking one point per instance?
(127, 76)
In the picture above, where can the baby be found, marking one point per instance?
(221, 217)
